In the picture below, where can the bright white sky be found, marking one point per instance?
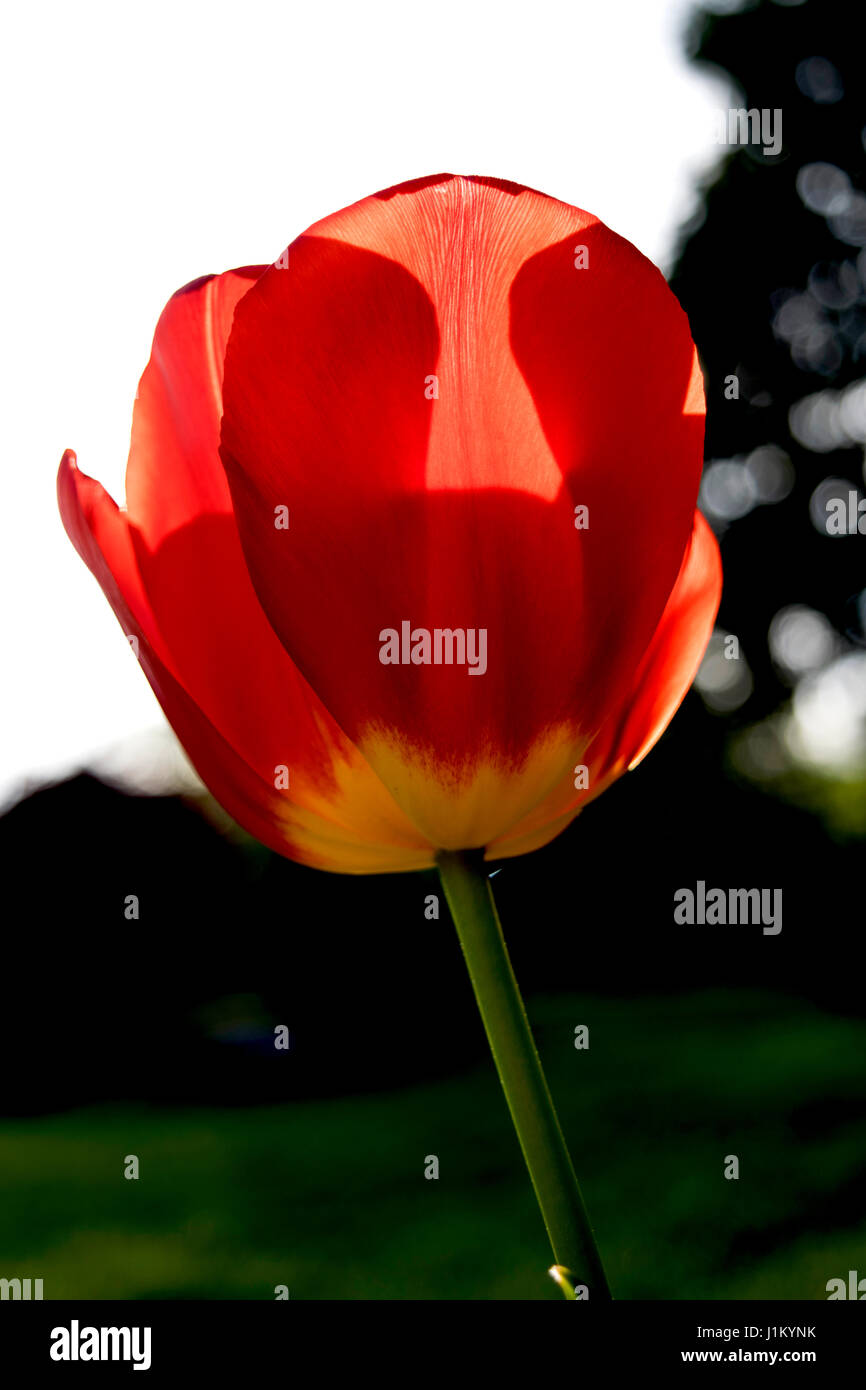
(146, 145)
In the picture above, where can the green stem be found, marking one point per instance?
(469, 895)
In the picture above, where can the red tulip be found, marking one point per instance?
(394, 433)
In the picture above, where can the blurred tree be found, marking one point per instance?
(772, 273)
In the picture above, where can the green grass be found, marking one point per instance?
(329, 1198)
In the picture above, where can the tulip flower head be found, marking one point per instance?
(410, 547)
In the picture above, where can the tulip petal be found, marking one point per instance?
(334, 813)
(193, 594)
(674, 655)
(173, 474)
(431, 386)
(657, 690)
